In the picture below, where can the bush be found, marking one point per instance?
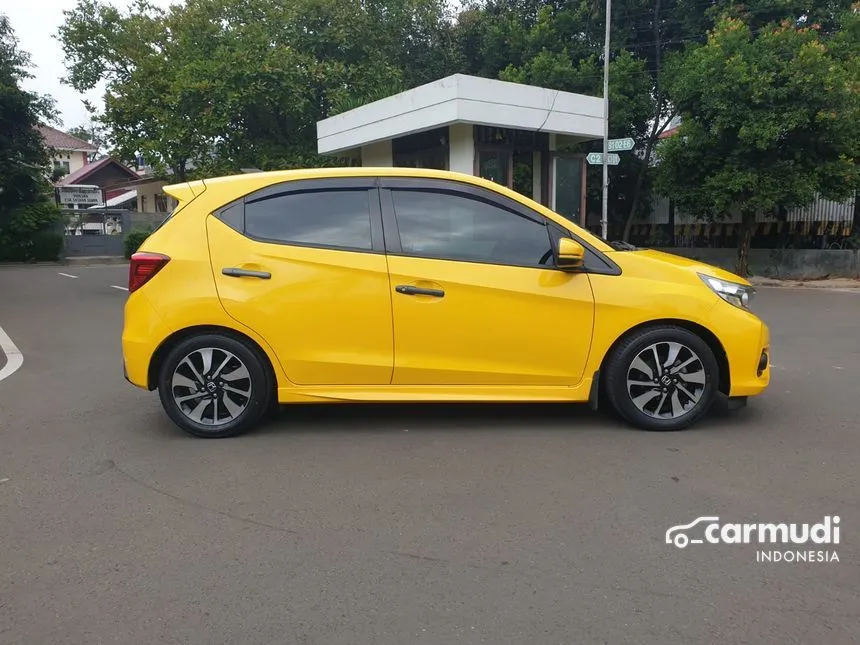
(133, 241)
(29, 233)
(47, 246)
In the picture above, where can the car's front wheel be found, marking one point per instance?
(662, 378)
(214, 386)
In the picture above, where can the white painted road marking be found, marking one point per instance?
(67, 275)
(114, 286)
(14, 357)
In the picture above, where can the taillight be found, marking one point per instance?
(143, 266)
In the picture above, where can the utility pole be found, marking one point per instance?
(604, 217)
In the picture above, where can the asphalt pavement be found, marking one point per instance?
(539, 524)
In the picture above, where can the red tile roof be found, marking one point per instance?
(671, 132)
(61, 141)
(82, 173)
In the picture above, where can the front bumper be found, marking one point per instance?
(750, 373)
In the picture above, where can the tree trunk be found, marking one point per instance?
(855, 228)
(744, 243)
(637, 190)
(655, 129)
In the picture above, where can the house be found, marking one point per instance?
(106, 173)
(67, 152)
(147, 192)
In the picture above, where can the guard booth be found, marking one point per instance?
(505, 132)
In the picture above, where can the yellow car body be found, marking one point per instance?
(333, 324)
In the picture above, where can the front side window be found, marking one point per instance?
(329, 218)
(453, 226)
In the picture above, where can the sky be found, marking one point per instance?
(35, 23)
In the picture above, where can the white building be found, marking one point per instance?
(506, 132)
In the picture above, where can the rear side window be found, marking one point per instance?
(327, 218)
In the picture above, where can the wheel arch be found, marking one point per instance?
(724, 385)
(189, 332)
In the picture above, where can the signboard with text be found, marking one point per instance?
(595, 158)
(80, 195)
(620, 145)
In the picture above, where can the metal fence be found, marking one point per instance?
(101, 231)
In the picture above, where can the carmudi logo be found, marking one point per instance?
(709, 530)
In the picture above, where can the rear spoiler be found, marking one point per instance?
(186, 191)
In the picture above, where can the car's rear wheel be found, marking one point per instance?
(214, 386)
(662, 378)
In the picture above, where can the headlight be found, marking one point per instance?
(736, 294)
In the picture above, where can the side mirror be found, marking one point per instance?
(570, 254)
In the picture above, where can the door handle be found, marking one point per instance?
(233, 272)
(409, 290)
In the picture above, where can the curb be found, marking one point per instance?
(94, 260)
(841, 284)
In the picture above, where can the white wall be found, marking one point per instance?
(461, 148)
(377, 154)
(75, 159)
(146, 198)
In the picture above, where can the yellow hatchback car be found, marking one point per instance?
(397, 284)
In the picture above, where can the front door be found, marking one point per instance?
(303, 265)
(476, 298)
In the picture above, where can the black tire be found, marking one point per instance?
(258, 383)
(622, 397)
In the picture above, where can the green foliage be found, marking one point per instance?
(221, 84)
(769, 118)
(47, 246)
(23, 159)
(30, 233)
(767, 121)
(134, 240)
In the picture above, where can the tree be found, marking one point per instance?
(24, 158)
(560, 45)
(225, 84)
(26, 210)
(91, 133)
(771, 118)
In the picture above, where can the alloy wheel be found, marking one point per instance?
(666, 380)
(211, 386)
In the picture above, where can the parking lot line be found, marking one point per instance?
(67, 275)
(116, 286)
(14, 357)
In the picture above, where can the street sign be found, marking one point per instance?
(596, 159)
(619, 145)
(80, 195)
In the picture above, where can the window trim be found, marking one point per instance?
(368, 185)
(596, 261)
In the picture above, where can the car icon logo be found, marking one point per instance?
(677, 535)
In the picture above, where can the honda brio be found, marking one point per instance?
(399, 284)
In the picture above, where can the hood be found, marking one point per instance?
(661, 262)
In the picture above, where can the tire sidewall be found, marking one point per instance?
(260, 386)
(620, 363)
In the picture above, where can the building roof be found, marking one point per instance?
(463, 99)
(669, 132)
(119, 199)
(61, 141)
(82, 173)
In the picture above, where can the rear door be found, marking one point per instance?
(302, 264)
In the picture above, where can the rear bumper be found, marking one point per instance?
(143, 332)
